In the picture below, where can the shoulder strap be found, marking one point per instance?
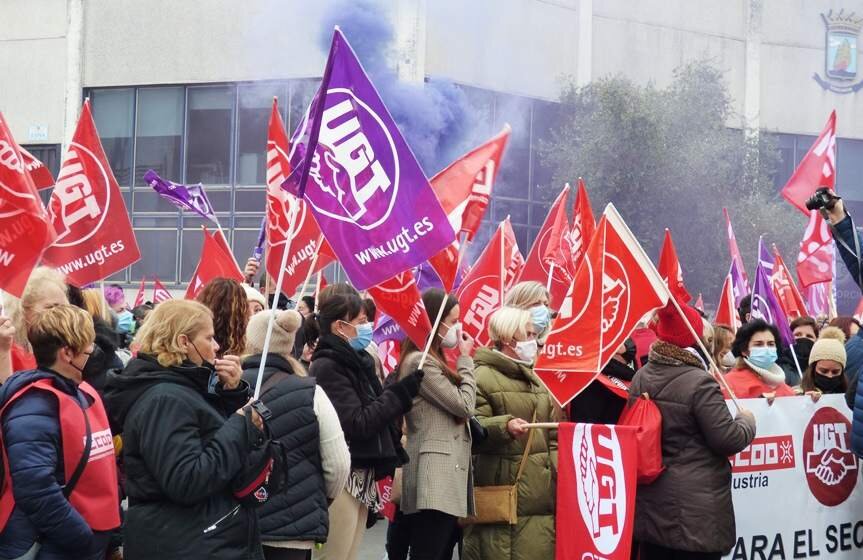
(271, 382)
(527, 448)
(69, 487)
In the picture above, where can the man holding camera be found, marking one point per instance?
(849, 242)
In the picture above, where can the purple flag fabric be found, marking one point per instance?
(186, 197)
(765, 258)
(387, 329)
(818, 299)
(765, 306)
(366, 189)
(738, 283)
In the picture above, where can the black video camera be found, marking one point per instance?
(822, 198)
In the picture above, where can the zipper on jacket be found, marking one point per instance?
(215, 525)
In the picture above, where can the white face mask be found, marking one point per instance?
(526, 350)
(450, 340)
(728, 360)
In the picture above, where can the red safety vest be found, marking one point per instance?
(96, 495)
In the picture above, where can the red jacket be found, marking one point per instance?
(747, 384)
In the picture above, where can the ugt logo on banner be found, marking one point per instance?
(831, 466)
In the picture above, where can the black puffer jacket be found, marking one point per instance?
(366, 411)
(182, 447)
(300, 512)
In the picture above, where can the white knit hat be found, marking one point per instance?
(254, 295)
(829, 346)
(284, 331)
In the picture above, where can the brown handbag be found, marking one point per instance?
(499, 504)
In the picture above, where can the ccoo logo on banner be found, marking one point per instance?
(803, 454)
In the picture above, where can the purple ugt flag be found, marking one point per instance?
(186, 197)
(363, 184)
(738, 282)
(765, 306)
(387, 329)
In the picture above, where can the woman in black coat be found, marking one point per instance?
(366, 411)
(186, 441)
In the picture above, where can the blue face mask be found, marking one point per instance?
(363, 337)
(540, 316)
(762, 356)
(125, 321)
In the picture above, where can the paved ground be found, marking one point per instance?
(373, 543)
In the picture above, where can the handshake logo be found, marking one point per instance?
(831, 466)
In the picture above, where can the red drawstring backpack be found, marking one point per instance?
(643, 413)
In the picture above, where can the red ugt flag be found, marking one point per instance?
(25, 227)
(613, 290)
(785, 289)
(670, 270)
(816, 169)
(735, 252)
(496, 268)
(214, 263)
(139, 297)
(583, 226)
(536, 267)
(726, 312)
(41, 175)
(596, 485)
(815, 261)
(94, 235)
(400, 298)
(289, 222)
(160, 292)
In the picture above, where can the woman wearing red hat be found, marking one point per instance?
(756, 373)
(687, 512)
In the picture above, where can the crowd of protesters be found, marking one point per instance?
(131, 432)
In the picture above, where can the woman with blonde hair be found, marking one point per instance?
(229, 304)
(45, 289)
(509, 396)
(65, 498)
(535, 298)
(187, 436)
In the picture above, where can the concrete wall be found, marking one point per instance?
(516, 46)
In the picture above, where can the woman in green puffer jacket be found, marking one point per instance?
(508, 395)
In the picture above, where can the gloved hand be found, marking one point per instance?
(409, 387)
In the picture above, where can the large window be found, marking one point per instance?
(115, 120)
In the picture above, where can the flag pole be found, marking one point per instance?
(439, 317)
(311, 268)
(502, 263)
(550, 274)
(272, 319)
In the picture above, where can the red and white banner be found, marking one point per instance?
(289, 221)
(670, 270)
(596, 485)
(25, 227)
(583, 226)
(815, 261)
(726, 312)
(558, 251)
(734, 250)
(41, 175)
(400, 298)
(785, 289)
(614, 289)
(464, 191)
(94, 235)
(536, 267)
(816, 169)
(139, 297)
(214, 263)
(160, 292)
(802, 452)
(496, 269)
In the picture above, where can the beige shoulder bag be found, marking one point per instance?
(499, 504)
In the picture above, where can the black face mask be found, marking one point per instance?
(94, 366)
(629, 355)
(213, 381)
(803, 347)
(828, 385)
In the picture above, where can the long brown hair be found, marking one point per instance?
(433, 298)
(227, 300)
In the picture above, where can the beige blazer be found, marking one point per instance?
(439, 475)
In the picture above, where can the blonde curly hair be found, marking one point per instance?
(15, 308)
(159, 336)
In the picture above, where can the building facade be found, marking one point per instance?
(185, 87)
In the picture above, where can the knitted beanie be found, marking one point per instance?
(829, 346)
(254, 295)
(672, 329)
(284, 330)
